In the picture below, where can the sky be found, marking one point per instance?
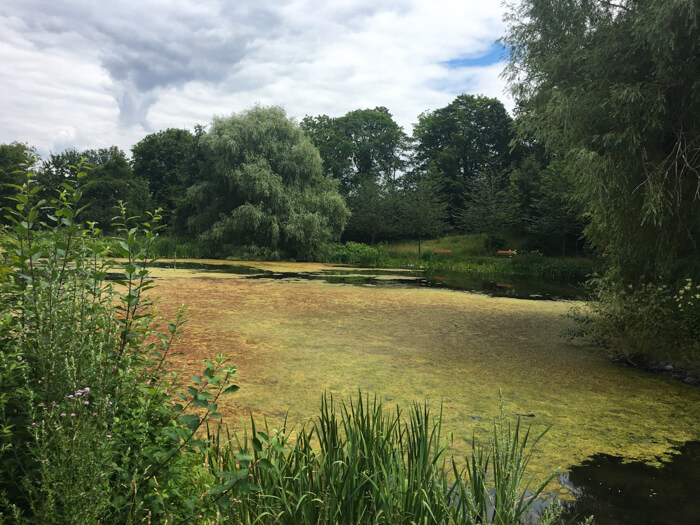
(89, 74)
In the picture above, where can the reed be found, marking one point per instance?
(360, 463)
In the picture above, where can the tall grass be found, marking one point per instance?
(171, 247)
(569, 270)
(359, 463)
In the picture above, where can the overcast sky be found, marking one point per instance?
(99, 73)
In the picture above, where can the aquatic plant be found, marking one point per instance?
(360, 463)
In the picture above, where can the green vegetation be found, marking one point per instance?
(354, 253)
(611, 89)
(470, 253)
(262, 188)
(94, 427)
(359, 463)
(88, 429)
(604, 146)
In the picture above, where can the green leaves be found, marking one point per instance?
(610, 88)
(190, 420)
(264, 189)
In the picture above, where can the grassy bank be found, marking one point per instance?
(468, 253)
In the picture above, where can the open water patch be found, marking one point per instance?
(617, 492)
(462, 280)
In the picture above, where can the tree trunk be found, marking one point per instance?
(563, 245)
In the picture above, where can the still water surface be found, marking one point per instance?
(624, 437)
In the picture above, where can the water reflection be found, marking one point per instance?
(619, 493)
(516, 287)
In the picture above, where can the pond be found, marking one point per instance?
(521, 287)
(296, 330)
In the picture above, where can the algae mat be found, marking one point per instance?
(293, 340)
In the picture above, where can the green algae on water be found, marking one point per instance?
(294, 340)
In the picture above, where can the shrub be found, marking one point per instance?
(354, 253)
(88, 428)
(651, 319)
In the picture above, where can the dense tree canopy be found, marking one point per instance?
(615, 87)
(459, 142)
(363, 144)
(262, 186)
(167, 161)
(366, 151)
(109, 180)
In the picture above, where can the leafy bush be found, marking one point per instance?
(651, 319)
(354, 253)
(88, 429)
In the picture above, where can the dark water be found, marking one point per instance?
(219, 268)
(618, 493)
(521, 287)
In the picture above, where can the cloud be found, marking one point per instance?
(86, 73)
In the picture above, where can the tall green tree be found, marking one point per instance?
(363, 144)
(615, 87)
(167, 160)
(542, 191)
(15, 157)
(262, 187)
(109, 181)
(423, 211)
(366, 151)
(459, 142)
(491, 208)
(334, 145)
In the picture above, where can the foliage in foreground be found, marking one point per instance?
(88, 429)
(359, 463)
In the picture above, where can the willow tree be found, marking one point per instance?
(615, 86)
(262, 187)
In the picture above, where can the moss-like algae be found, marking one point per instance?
(292, 340)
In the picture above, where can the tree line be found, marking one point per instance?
(259, 181)
(610, 90)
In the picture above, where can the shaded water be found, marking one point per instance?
(294, 336)
(620, 493)
(518, 287)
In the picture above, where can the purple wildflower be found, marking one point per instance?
(94, 414)
(72, 415)
(109, 436)
(87, 389)
(63, 414)
(70, 396)
(33, 424)
(86, 403)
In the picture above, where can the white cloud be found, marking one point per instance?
(88, 74)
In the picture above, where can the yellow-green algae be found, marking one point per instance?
(293, 340)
